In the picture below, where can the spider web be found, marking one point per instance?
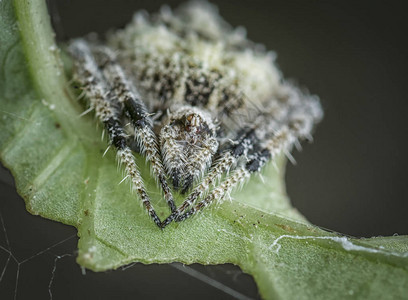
(37, 260)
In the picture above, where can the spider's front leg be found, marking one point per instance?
(245, 140)
(130, 99)
(255, 164)
(98, 92)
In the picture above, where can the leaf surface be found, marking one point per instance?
(56, 159)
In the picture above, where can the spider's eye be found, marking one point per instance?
(195, 124)
(188, 144)
(190, 117)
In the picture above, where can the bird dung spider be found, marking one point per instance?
(200, 99)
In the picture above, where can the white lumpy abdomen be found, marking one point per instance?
(167, 52)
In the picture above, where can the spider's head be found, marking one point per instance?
(188, 143)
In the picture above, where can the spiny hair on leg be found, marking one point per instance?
(98, 91)
(228, 159)
(225, 188)
(130, 101)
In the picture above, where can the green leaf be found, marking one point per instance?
(56, 159)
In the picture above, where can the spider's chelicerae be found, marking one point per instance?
(201, 99)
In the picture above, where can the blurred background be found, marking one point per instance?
(351, 179)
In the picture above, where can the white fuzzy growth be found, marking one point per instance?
(173, 46)
(257, 74)
(202, 17)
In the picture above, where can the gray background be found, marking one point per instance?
(351, 179)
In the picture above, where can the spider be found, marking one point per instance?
(206, 106)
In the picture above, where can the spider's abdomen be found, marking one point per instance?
(193, 57)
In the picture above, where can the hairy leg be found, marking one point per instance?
(229, 157)
(98, 92)
(128, 96)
